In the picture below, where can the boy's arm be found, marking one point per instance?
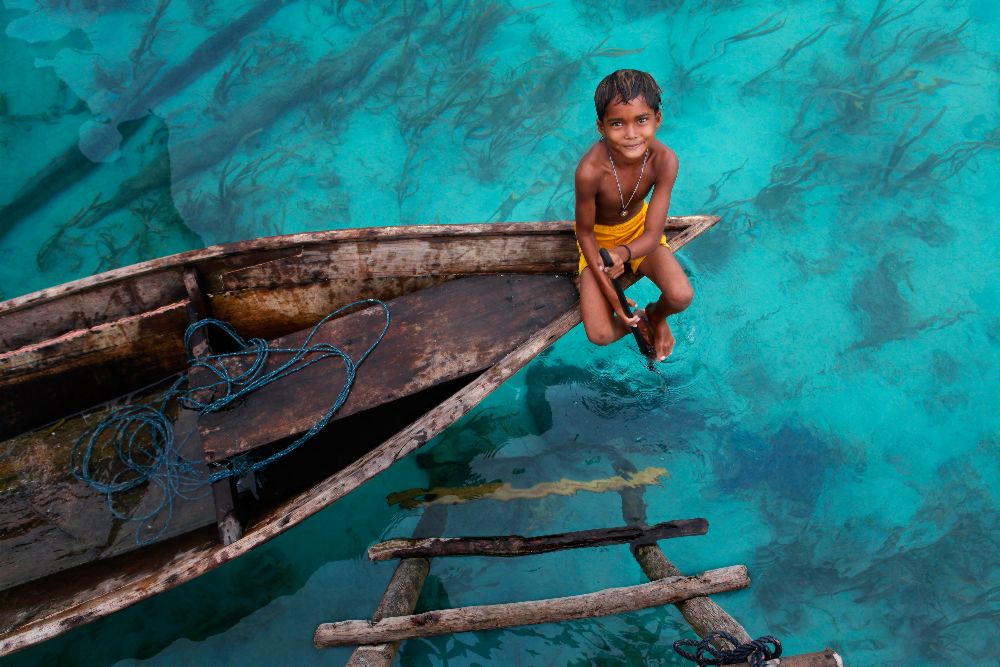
(659, 206)
(586, 217)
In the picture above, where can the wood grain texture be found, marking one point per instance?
(516, 545)
(400, 599)
(437, 334)
(40, 383)
(490, 617)
(30, 614)
(51, 521)
(702, 613)
(75, 603)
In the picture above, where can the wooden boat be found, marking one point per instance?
(469, 305)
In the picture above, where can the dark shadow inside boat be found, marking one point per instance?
(261, 497)
(334, 448)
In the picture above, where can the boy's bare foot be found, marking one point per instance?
(663, 337)
(645, 330)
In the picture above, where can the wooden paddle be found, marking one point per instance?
(644, 346)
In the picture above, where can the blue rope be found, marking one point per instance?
(756, 652)
(142, 436)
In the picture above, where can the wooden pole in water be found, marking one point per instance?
(399, 600)
(490, 617)
(516, 545)
(701, 613)
(401, 595)
(827, 658)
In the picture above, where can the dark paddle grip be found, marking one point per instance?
(639, 340)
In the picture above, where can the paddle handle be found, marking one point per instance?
(639, 340)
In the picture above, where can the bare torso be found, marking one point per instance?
(608, 200)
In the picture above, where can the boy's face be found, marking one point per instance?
(629, 128)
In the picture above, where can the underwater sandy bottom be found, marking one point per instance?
(829, 408)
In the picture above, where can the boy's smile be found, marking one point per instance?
(629, 128)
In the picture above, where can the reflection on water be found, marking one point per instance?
(829, 407)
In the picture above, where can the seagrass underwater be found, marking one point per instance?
(828, 406)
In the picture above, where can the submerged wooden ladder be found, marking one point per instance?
(393, 621)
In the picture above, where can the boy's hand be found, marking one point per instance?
(617, 267)
(612, 296)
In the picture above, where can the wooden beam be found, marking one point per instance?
(516, 545)
(400, 599)
(228, 519)
(401, 595)
(490, 617)
(826, 658)
(702, 614)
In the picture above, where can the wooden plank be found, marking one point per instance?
(438, 334)
(41, 382)
(36, 320)
(244, 253)
(825, 658)
(62, 611)
(407, 258)
(272, 312)
(516, 545)
(224, 495)
(491, 617)
(51, 521)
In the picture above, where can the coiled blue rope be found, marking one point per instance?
(756, 652)
(142, 437)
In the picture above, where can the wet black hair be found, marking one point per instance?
(626, 85)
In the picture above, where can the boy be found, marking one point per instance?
(613, 180)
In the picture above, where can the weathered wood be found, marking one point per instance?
(516, 545)
(32, 613)
(51, 521)
(491, 617)
(224, 494)
(680, 229)
(400, 599)
(273, 312)
(404, 588)
(405, 258)
(701, 613)
(437, 334)
(41, 382)
(87, 303)
(76, 603)
(825, 658)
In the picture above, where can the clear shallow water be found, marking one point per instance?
(831, 404)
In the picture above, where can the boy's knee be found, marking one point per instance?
(600, 337)
(679, 297)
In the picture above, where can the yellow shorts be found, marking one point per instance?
(610, 236)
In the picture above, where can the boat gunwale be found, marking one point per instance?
(304, 240)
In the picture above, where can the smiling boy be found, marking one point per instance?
(613, 180)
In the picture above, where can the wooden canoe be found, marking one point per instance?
(470, 305)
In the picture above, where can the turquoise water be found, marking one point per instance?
(828, 407)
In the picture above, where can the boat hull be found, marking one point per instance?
(268, 288)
